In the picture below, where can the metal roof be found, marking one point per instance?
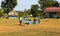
(52, 9)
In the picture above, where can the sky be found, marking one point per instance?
(24, 4)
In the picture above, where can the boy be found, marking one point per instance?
(20, 20)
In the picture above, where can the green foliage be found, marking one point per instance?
(34, 10)
(56, 4)
(48, 3)
(23, 13)
(8, 5)
(28, 11)
(1, 13)
(20, 13)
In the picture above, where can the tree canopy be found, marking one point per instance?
(48, 3)
(8, 5)
(34, 10)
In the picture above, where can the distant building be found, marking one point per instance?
(12, 14)
(52, 11)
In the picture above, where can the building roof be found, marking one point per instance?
(13, 13)
(52, 9)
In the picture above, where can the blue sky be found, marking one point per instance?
(24, 4)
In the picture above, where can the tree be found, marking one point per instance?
(34, 10)
(56, 4)
(1, 13)
(28, 11)
(20, 13)
(8, 5)
(48, 3)
(25, 12)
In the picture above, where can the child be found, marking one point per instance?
(25, 20)
(35, 21)
(39, 19)
(20, 20)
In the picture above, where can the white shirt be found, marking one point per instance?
(20, 18)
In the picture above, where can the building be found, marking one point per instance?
(12, 14)
(52, 12)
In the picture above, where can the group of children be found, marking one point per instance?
(35, 21)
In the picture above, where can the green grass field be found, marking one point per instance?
(47, 27)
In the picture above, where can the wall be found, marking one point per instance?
(58, 14)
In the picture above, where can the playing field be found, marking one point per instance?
(47, 27)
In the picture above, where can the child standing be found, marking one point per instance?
(20, 20)
(39, 19)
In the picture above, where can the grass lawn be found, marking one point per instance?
(9, 21)
(47, 27)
